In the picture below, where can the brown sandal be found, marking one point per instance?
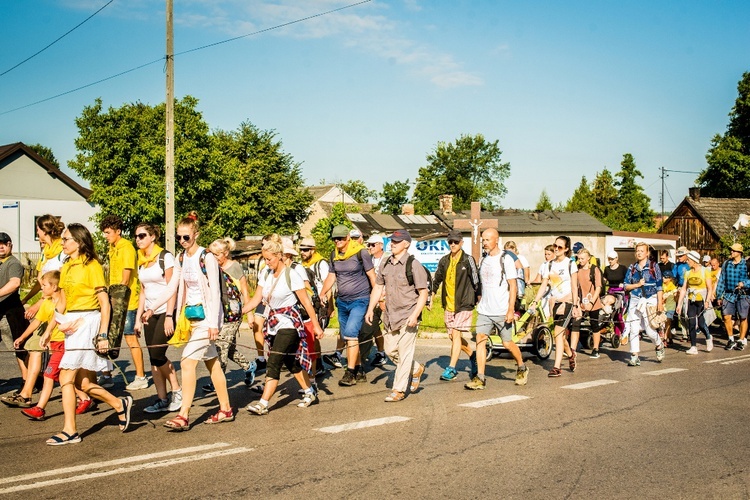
(221, 416)
(179, 423)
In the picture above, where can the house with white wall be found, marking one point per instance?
(30, 187)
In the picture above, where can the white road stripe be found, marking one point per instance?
(593, 383)
(495, 401)
(665, 371)
(362, 425)
(119, 461)
(735, 360)
(125, 470)
(726, 359)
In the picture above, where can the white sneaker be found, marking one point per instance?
(692, 350)
(137, 384)
(709, 345)
(176, 402)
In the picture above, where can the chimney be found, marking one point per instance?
(407, 209)
(695, 193)
(446, 203)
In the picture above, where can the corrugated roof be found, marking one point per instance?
(8, 150)
(719, 213)
(547, 222)
(418, 226)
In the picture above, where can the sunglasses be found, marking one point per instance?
(184, 237)
(558, 247)
(338, 238)
(453, 242)
(140, 236)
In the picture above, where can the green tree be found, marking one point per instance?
(728, 172)
(470, 169)
(322, 230)
(633, 212)
(358, 190)
(604, 194)
(581, 201)
(45, 153)
(544, 202)
(393, 196)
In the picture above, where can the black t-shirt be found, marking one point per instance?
(615, 277)
(665, 267)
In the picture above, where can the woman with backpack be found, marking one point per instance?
(234, 293)
(698, 290)
(196, 281)
(155, 269)
(283, 292)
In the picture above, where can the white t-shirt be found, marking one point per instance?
(154, 284)
(495, 294)
(281, 295)
(192, 274)
(559, 274)
(524, 266)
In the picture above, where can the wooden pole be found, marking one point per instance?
(169, 156)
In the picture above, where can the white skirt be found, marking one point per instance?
(79, 347)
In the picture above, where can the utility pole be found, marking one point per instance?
(169, 156)
(663, 176)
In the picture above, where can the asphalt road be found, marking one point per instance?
(675, 429)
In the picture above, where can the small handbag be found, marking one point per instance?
(182, 331)
(195, 313)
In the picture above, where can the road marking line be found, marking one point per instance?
(495, 401)
(593, 383)
(362, 425)
(665, 371)
(736, 360)
(119, 461)
(746, 356)
(125, 470)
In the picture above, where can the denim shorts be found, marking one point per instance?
(129, 323)
(351, 317)
(738, 307)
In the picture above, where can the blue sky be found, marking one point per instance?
(366, 93)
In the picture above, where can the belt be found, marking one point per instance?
(82, 310)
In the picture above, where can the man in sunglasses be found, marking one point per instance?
(352, 270)
(122, 271)
(457, 272)
(372, 331)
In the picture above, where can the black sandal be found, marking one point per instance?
(127, 405)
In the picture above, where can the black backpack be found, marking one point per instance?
(410, 276)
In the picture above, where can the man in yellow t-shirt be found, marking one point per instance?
(123, 271)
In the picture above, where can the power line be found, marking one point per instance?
(183, 53)
(57, 40)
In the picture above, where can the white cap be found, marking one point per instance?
(375, 238)
(355, 233)
(612, 255)
(288, 246)
(706, 258)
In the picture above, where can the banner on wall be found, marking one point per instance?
(429, 252)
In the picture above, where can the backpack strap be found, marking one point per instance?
(162, 254)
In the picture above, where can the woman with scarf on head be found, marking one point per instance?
(283, 292)
(155, 269)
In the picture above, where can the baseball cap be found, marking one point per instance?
(307, 243)
(5, 238)
(288, 246)
(355, 233)
(455, 235)
(706, 258)
(612, 255)
(694, 256)
(400, 235)
(737, 248)
(667, 274)
(340, 231)
(682, 251)
(375, 238)
(577, 246)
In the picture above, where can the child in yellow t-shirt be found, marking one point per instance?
(669, 289)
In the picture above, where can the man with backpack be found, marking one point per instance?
(458, 274)
(732, 293)
(352, 270)
(405, 283)
(371, 332)
(644, 282)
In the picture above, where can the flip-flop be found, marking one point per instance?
(56, 440)
(127, 405)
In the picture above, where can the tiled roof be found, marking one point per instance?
(719, 213)
(8, 150)
(319, 191)
(547, 222)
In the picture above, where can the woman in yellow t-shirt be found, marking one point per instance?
(87, 314)
(697, 289)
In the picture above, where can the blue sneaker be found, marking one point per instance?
(450, 373)
(250, 375)
(474, 367)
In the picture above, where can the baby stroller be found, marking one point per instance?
(612, 316)
(532, 331)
